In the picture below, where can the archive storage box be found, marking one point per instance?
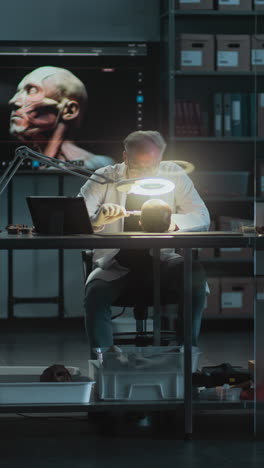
(258, 4)
(237, 296)
(218, 183)
(149, 373)
(212, 303)
(257, 52)
(233, 4)
(233, 52)
(195, 52)
(194, 4)
(227, 223)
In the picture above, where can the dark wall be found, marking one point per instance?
(60, 20)
(79, 20)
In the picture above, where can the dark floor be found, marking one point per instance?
(48, 444)
(220, 438)
(31, 343)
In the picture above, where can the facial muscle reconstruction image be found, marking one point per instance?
(48, 105)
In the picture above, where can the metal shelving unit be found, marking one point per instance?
(216, 73)
(218, 139)
(213, 13)
(241, 150)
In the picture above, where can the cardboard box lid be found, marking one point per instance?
(194, 37)
(214, 282)
(237, 281)
(232, 37)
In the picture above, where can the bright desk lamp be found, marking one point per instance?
(152, 185)
(145, 186)
(140, 186)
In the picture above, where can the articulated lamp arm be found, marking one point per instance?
(23, 152)
(140, 186)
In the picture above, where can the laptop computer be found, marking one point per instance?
(59, 216)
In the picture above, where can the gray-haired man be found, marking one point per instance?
(115, 269)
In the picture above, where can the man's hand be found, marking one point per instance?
(107, 214)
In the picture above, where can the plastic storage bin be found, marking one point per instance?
(16, 374)
(20, 385)
(149, 373)
(224, 393)
(31, 393)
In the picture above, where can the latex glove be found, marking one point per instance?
(107, 214)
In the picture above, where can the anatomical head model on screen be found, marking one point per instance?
(48, 104)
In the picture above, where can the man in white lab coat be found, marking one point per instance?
(115, 269)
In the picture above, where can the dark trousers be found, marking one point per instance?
(100, 295)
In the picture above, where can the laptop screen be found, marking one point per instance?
(59, 216)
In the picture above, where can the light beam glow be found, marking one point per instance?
(152, 186)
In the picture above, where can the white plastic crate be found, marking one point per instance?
(15, 374)
(20, 385)
(31, 393)
(140, 386)
(150, 373)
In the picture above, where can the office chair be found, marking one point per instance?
(139, 299)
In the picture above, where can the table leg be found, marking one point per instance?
(10, 268)
(188, 341)
(156, 295)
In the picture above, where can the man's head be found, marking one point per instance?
(143, 153)
(155, 216)
(45, 97)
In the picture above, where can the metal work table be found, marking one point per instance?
(185, 241)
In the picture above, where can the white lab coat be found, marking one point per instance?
(188, 211)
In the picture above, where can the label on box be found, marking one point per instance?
(189, 1)
(257, 56)
(230, 249)
(260, 296)
(227, 122)
(236, 111)
(227, 59)
(229, 2)
(232, 300)
(218, 122)
(191, 58)
(259, 2)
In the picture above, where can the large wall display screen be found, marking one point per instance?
(76, 103)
